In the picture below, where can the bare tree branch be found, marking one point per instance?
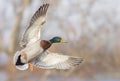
(15, 29)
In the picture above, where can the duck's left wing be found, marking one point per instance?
(32, 33)
(55, 60)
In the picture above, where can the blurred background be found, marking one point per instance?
(91, 28)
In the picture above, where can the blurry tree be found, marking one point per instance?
(91, 28)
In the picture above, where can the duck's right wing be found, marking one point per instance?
(57, 61)
(32, 33)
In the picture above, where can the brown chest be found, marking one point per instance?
(45, 44)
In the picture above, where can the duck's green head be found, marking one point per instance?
(57, 40)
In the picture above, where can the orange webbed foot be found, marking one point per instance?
(30, 66)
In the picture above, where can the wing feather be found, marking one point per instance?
(40, 12)
(32, 33)
(58, 61)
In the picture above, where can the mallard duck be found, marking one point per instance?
(34, 51)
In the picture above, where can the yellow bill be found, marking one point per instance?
(62, 41)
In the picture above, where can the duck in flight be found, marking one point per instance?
(34, 51)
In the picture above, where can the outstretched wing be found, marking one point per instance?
(32, 33)
(55, 60)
